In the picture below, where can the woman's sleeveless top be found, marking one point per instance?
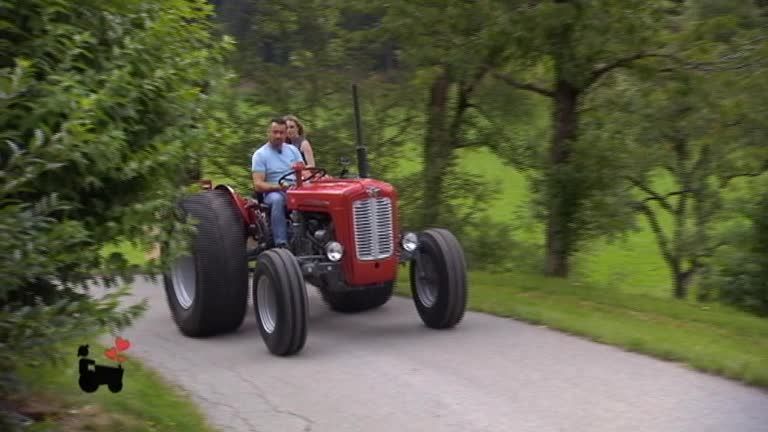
(297, 143)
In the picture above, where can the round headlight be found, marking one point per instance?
(410, 241)
(334, 251)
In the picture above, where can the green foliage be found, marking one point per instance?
(301, 58)
(740, 273)
(596, 202)
(692, 123)
(458, 35)
(569, 40)
(102, 109)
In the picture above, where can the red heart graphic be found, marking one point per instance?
(122, 344)
(113, 355)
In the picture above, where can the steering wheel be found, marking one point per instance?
(316, 172)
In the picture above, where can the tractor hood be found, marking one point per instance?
(327, 193)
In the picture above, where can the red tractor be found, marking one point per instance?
(345, 239)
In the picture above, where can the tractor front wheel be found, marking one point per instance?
(439, 279)
(280, 302)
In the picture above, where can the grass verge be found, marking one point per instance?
(146, 403)
(711, 338)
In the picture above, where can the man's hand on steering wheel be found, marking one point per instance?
(285, 182)
(314, 172)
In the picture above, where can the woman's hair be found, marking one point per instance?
(294, 119)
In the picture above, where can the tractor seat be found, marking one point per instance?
(259, 197)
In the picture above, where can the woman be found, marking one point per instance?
(296, 137)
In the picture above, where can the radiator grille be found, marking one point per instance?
(372, 218)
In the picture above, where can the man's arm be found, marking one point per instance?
(261, 185)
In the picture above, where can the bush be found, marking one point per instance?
(102, 118)
(740, 277)
(488, 245)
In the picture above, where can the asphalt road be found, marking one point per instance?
(384, 371)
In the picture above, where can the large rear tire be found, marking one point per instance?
(357, 299)
(207, 291)
(439, 279)
(280, 302)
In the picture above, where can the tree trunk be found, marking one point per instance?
(560, 211)
(682, 280)
(680, 248)
(437, 150)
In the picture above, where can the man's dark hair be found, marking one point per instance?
(278, 120)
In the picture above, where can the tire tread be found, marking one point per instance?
(448, 311)
(222, 269)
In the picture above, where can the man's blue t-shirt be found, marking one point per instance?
(274, 164)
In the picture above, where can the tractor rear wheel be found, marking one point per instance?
(207, 291)
(439, 279)
(354, 300)
(280, 302)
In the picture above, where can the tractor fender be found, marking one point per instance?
(240, 202)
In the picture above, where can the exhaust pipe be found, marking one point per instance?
(362, 155)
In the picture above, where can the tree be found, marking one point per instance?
(689, 131)
(690, 144)
(563, 50)
(103, 107)
(449, 49)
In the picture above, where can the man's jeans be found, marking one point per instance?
(276, 201)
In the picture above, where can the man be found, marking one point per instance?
(268, 164)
